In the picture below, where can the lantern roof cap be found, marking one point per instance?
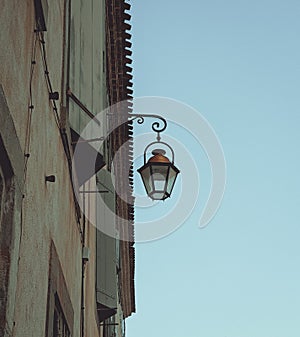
(158, 157)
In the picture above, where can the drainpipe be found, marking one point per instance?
(83, 268)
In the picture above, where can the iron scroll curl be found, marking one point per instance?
(158, 126)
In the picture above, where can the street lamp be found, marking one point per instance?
(158, 173)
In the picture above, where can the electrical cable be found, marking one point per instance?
(30, 108)
(47, 76)
(30, 104)
(63, 134)
(40, 38)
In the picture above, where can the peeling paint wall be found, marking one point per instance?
(42, 230)
(46, 215)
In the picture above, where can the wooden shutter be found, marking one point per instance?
(106, 284)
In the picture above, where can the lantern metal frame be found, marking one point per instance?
(156, 127)
(151, 190)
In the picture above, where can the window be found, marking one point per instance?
(60, 325)
(110, 327)
(60, 313)
(106, 271)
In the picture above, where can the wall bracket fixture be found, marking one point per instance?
(159, 173)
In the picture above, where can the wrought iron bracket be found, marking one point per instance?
(157, 127)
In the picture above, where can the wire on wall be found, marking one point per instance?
(38, 38)
(30, 107)
(47, 76)
(62, 131)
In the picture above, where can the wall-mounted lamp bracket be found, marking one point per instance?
(159, 173)
(156, 126)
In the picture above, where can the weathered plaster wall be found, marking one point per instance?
(11, 190)
(44, 213)
(48, 212)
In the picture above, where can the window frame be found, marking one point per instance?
(58, 296)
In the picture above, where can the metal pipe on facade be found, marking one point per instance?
(83, 269)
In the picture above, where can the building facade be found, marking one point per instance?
(61, 272)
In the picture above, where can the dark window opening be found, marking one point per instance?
(60, 326)
(1, 195)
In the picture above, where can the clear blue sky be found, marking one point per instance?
(238, 63)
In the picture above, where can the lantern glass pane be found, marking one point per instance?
(171, 180)
(159, 176)
(158, 195)
(145, 173)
